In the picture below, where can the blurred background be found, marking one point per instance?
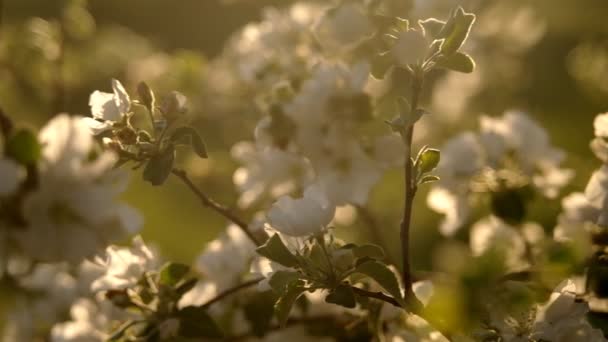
(546, 57)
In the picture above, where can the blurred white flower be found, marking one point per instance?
(108, 108)
(303, 216)
(596, 193)
(563, 318)
(493, 235)
(267, 171)
(88, 323)
(125, 266)
(75, 211)
(342, 28)
(11, 175)
(410, 48)
(226, 259)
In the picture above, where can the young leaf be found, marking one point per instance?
(23, 147)
(280, 280)
(368, 250)
(458, 61)
(195, 139)
(432, 27)
(259, 311)
(428, 160)
(428, 179)
(159, 167)
(172, 273)
(380, 64)
(146, 96)
(195, 322)
(459, 27)
(283, 306)
(342, 295)
(275, 250)
(382, 275)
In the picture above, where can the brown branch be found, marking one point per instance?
(376, 295)
(220, 209)
(232, 291)
(409, 190)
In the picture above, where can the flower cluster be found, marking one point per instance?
(337, 89)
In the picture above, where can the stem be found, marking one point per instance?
(409, 189)
(232, 291)
(376, 295)
(220, 209)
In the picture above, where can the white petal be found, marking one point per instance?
(121, 97)
(97, 127)
(11, 175)
(104, 106)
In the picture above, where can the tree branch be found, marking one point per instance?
(232, 291)
(220, 209)
(409, 189)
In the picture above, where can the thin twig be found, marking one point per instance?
(409, 190)
(209, 203)
(232, 291)
(376, 295)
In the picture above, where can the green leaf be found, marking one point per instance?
(283, 306)
(280, 280)
(380, 64)
(195, 322)
(195, 139)
(432, 27)
(456, 31)
(259, 311)
(458, 61)
(275, 250)
(382, 275)
(369, 250)
(342, 295)
(172, 273)
(146, 96)
(185, 287)
(159, 167)
(23, 147)
(428, 179)
(428, 160)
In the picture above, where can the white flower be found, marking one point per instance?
(124, 267)
(410, 48)
(74, 212)
(87, 323)
(303, 216)
(492, 234)
(600, 126)
(227, 258)
(563, 318)
(108, 108)
(11, 175)
(597, 194)
(267, 171)
(342, 28)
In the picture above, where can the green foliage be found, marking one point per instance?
(172, 273)
(287, 300)
(382, 275)
(427, 160)
(342, 295)
(280, 280)
(195, 140)
(259, 311)
(456, 31)
(369, 251)
(195, 322)
(146, 96)
(23, 147)
(457, 61)
(275, 250)
(159, 167)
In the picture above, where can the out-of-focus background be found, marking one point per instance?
(546, 57)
